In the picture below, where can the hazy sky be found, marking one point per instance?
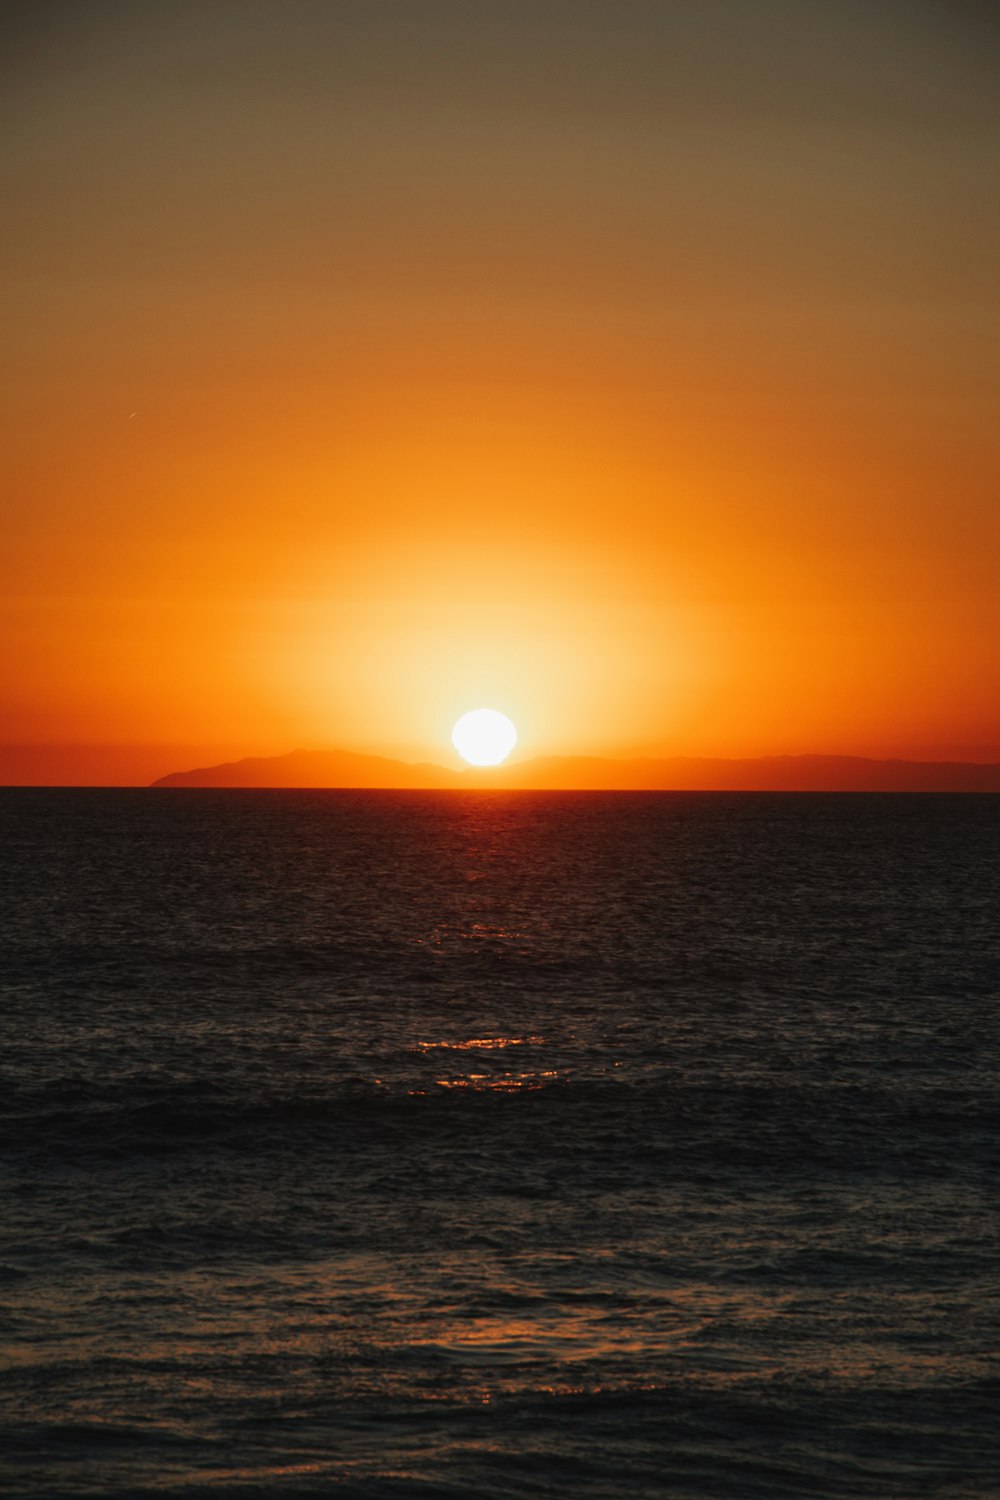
(629, 367)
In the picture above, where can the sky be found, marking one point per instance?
(629, 367)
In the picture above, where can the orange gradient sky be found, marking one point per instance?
(630, 368)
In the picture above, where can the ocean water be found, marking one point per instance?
(501, 1145)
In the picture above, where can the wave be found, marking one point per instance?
(690, 1125)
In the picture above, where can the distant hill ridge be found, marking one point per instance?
(769, 773)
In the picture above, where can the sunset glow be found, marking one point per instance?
(658, 408)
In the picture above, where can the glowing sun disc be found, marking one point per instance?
(484, 737)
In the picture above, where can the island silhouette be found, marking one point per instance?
(770, 773)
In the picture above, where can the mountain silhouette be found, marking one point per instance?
(769, 773)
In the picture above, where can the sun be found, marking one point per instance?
(484, 737)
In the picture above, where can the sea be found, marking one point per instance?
(499, 1144)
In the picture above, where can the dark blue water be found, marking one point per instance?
(513, 1145)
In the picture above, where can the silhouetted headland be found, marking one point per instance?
(769, 773)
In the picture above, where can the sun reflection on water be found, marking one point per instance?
(483, 1042)
(504, 1080)
(509, 1083)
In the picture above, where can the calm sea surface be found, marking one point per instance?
(501, 1145)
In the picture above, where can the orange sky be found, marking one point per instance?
(631, 369)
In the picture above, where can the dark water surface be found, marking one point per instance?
(459, 1144)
